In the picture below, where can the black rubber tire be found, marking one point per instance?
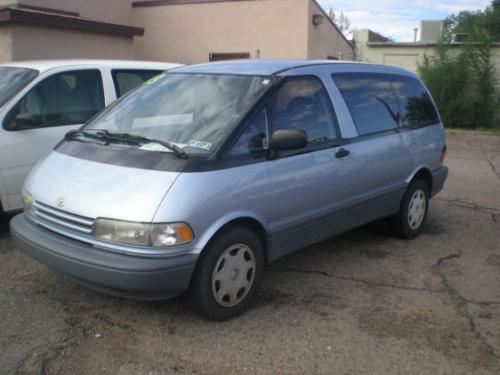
(200, 296)
(399, 223)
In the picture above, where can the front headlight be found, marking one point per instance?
(142, 234)
(28, 202)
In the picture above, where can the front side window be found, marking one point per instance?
(415, 102)
(193, 111)
(370, 100)
(13, 80)
(127, 80)
(67, 98)
(303, 103)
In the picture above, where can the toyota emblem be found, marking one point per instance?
(60, 202)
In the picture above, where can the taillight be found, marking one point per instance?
(443, 153)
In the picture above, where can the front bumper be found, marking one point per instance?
(118, 274)
(439, 177)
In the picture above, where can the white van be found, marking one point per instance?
(40, 101)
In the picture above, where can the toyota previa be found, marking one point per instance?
(194, 182)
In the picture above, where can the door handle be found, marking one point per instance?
(342, 153)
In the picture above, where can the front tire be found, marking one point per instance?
(409, 222)
(227, 275)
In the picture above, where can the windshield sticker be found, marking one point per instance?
(200, 144)
(154, 147)
(155, 78)
(266, 82)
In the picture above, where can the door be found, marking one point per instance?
(39, 120)
(305, 184)
(379, 161)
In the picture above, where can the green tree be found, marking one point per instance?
(469, 21)
(462, 82)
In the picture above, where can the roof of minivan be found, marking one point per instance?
(44, 65)
(259, 67)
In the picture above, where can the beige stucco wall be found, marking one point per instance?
(325, 40)
(30, 42)
(5, 44)
(188, 33)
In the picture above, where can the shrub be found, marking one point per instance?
(462, 83)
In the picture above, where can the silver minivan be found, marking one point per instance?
(198, 180)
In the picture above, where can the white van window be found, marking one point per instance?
(303, 103)
(66, 98)
(371, 101)
(13, 80)
(127, 80)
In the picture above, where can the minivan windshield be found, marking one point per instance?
(192, 111)
(13, 80)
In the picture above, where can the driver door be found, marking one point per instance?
(307, 185)
(39, 120)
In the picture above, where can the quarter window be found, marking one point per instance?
(303, 103)
(67, 98)
(371, 101)
(127, 80)
(416, 105)
(254, 138)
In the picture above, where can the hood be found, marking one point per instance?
(93, 189)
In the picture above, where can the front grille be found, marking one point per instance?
(51, 217)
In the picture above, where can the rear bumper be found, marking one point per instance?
(118, 274)
(439, 177)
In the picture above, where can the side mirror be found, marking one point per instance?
(24, 121)
(288, 139)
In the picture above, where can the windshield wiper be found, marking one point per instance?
(98, 134)
(106, 136)
(139, 139)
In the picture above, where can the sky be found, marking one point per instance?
(397, 19)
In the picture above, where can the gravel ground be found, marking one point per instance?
(361, 303)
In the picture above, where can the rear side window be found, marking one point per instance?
(415, 103)
(371, 101)
(303, 103)
(127, 80)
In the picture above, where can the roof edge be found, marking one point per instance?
(64, 21)
(153, 3)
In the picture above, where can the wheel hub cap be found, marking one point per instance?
(233, 275)
(416, 209)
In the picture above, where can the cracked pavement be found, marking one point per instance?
(360, 303)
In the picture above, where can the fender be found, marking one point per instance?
(417, 169)
(206, 236)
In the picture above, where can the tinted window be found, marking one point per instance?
(416, 105)
(371, 101)
(254, 137)
(127, 80)
(303, 103)
(66, 98)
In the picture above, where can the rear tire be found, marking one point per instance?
(227, 275)
(409, 222)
